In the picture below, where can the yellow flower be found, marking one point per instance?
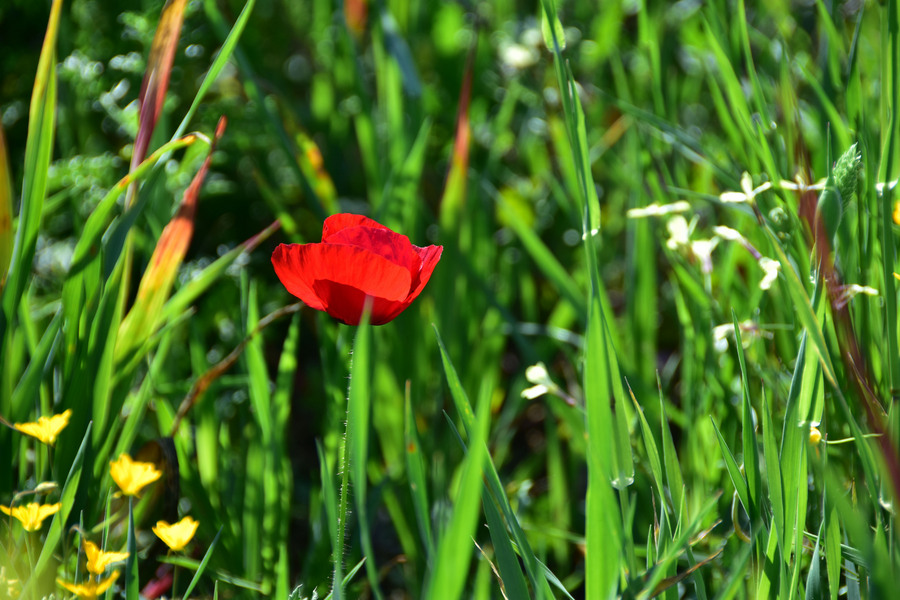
(815, 436)
(98, 560)
(46, 429)
(131, 476)
(31, 515)
(178, 535)
(89, 588)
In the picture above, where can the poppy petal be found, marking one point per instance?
(357, 259)
(287, 266)
(336, 223)
(346, 303)
(395, 247)
(429, 255)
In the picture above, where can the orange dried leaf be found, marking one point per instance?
(156, 79)
(6, 231)
(141, 320)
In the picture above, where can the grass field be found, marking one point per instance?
(658, 356)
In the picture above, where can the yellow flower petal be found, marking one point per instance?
(176, 536)
(46, 429)
(90, 588)
(31, 515)
(815, 436)
(98, 560)
(132, 476)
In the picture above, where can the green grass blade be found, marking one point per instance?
(513, 581)
(734, 471)
(6, 212)
(358, 427)
(131, 563)
(748, 433)
(38, 151)
(461, 400)
(415, 469)
(773, 474)
(202, 567)
(219, 63)
(451, 565)
(674, 476)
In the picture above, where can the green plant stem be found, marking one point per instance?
(174, 577)
(344, 459)
(30, 551)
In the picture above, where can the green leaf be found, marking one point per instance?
(202, 567)
(38, 151)
(451, 565)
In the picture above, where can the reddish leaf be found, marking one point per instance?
(156, 79)
(170, 250)
(6, 232)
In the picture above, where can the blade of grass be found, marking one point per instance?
(748, 433)
(734, 471)
(143, 318)
(218, 64)
(415, 469)
(38, 151)
(451, 565)
(464, 409)
(358, 425)
(156, 79)
(511, 578)
(202, 566)
(6, 212)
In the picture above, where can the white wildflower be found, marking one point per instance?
(747, 193)
(658, 210)
(771, 269)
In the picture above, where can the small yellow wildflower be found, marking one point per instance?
(89, 588)
(98, 560)
(132, 476)
(46, 429)
(896, 214)
(815, 436)
(31, 515)
(178, 535)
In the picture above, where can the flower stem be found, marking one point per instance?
(174, 577)
(344, 458)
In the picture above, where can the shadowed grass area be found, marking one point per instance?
(658, 356)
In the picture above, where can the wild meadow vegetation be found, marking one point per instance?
(658, 356)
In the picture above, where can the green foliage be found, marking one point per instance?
(631, 197)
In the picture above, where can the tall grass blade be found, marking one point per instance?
(222, 57)
(415, 470)
(6, 212)
(202, 567)
(156, 79)
(157, 281)
(358, 426)
(38, 151)
(451, 564)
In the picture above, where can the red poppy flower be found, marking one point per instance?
(357, 257)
